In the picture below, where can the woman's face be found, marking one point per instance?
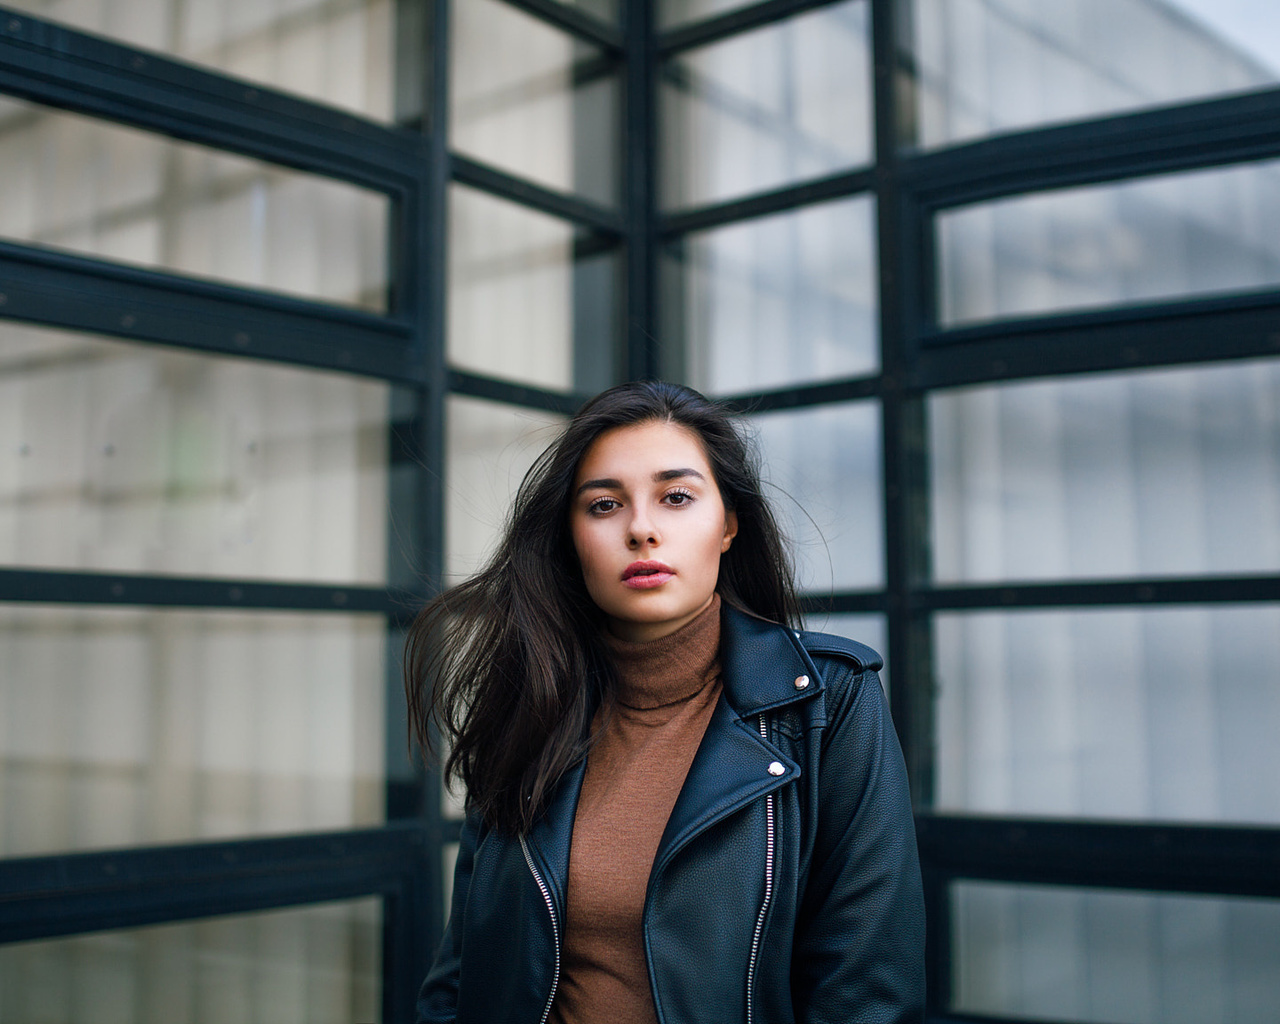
(649, 527)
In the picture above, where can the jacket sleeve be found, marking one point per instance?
(859, 943)
(438, 997)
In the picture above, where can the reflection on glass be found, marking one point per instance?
(778, 105)
(988, 66)
(125, 726)
(491, 447)
(822, 474)
(335, 53)
(522, 286)
(1160, 472)
(780, 300)
(1172, 236)
(678, 12)
(1107, 957)
(317, 964)
(1166, 713)
(531, 100)
(137, 458)
(82, 185)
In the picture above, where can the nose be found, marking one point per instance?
(641, 532)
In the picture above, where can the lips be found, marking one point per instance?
(647, 574)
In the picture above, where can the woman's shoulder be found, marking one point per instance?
(840, 650)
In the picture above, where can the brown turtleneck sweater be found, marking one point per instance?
(668, 690)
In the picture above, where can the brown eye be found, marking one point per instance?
(601, 506)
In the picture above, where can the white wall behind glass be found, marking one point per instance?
(822, 474)
(1114, 957)
(1160, 713)
(333, 51)
(989, 66)
(1173, 471)
(491, 447)
(75, 183)
(510, 290)
(125, 726)
(140, 458)
(308, 965)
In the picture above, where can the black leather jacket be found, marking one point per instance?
(785, 887)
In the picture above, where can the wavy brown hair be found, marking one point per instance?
(510, 665)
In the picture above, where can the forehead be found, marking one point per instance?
(641, 449)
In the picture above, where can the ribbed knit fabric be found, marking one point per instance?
(668, 691)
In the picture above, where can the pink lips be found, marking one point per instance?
(646, 575)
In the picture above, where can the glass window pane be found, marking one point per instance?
(491, 447)
(522, 286)
(1156, 713)
(335, 53)
(823, 476)
(1171, 236)
(90, 187)
(124, 726)
(987, 66)
(778, 301)
(533, 101)
(1108, 957)
(137, 458)
(317, 964)
(1173, 471)
(778, 105)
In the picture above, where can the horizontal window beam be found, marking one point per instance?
(851, 601)
(509, 393)
(765, 204)
(732, 23)
(49, 64)
(803, 395)
(47, 586)
(1209, 859)
(1182, 138)
(1136, 592)
(77, 293)
(578, 23)
(68, 894)
(1169, 334)
(498, 183)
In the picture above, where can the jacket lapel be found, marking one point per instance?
(549, 838)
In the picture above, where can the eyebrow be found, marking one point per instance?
(661, 477)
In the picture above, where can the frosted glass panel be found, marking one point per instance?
(336, 53)
(491, 447)
(138, 458)
(312, 965)
(986, 66)
(86, 186)
(519, 295)
(768, 108)
(1162, 472)
(780, 300)
(123, 726)
(1104, 957)
(1167, 237)
(822, 473)
(1164, 714)
(528, 98)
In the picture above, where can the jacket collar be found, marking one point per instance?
(760, 662)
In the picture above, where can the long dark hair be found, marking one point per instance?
(510, 665)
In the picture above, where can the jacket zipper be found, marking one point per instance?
(768, 889)
(555, 928)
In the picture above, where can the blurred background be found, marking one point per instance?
(293, 291)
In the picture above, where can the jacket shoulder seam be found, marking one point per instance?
(832, 646)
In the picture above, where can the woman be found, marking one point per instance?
(679, 808)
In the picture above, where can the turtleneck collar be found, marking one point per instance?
(673, 668)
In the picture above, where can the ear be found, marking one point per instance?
(730, 530)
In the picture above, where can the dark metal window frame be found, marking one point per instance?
(59, 67)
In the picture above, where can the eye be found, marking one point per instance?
(678, 499)
(601, 506)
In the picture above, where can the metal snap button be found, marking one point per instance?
(776, 768)
(802, 682)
